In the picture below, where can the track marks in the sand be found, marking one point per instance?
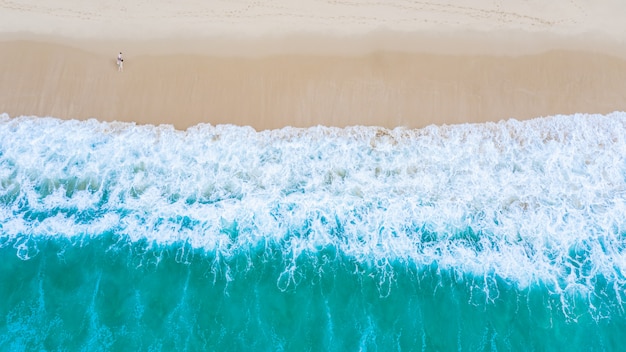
(52, 9)
(449, 12)
(231, 11)
(373, 13)
(255, 15)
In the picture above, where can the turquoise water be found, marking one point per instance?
(498, 236)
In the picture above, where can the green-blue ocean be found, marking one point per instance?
(506, 236)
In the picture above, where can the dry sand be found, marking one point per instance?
(280, 64)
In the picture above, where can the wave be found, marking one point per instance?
(493, 236)
(532, 202)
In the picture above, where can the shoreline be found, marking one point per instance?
(379, 88)
(278, 63)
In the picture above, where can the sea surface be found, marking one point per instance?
(506, 236)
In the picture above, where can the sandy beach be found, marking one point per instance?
(340, 63)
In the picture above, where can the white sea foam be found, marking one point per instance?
(539, 200)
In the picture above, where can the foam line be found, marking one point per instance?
(534, 201)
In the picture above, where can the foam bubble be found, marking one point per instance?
(533, 201)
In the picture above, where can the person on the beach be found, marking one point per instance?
(120, 62)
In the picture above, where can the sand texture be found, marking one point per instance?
(339, 63)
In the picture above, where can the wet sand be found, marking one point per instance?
(386, 89)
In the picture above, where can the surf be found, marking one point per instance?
(507, 217)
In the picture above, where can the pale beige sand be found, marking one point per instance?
(338, 63)
(384, 89)
(145, 19)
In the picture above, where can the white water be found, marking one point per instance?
(545, 199)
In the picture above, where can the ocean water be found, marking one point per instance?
(501, 236)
